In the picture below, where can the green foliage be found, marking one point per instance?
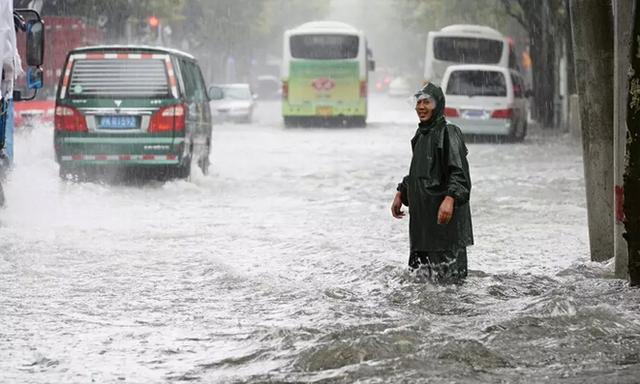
(423, 16)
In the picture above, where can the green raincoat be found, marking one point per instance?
(439, 168)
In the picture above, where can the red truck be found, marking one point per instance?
(63, 33)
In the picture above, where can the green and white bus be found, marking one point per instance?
(325, 68)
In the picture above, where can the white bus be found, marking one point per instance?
(325, 68)
(466, 44)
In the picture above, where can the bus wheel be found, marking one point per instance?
(288, 122)
(183, 170)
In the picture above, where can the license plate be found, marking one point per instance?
(324, 111)
(473, 113)
(118, 122)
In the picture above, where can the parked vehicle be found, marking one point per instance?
(132, 106)
(237, 103)
(64, 33)
(486, 100)
(33, 113)
(268, 87)
(381, 80)
(325, 67)
(400, 87)
(466, 44)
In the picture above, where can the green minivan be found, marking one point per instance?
(132, 107)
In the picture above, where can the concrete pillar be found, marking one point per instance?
(593, 55)
(622, 15)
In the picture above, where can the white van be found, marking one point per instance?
(466, 44)
(486, 100)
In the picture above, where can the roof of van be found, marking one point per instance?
(135, 48)
(325, 26)
(478, 67)
(471, 29)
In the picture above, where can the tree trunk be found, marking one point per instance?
(571, 75)
(591, 21)
(540, 28)
(632, 170)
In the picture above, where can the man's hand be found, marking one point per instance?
(396, 206)
(445, 213)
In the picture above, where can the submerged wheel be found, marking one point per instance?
(1, 196)
(183, 171)
(204, 162)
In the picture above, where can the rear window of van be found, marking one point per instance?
(120, 78)
(477, 83)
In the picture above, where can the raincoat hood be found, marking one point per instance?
(437, 117)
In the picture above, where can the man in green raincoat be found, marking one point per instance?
(437, 192)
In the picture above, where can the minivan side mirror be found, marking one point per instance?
(35, 42)
(215, 93)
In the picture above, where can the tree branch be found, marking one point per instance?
(511, 12)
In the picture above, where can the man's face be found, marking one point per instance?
(424, 108)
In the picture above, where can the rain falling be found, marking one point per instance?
(200, 191)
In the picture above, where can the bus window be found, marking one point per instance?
(324, 47)
(465, 50)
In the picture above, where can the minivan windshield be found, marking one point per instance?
(465, 50)
(477, 83)
(121, 78)
(324, 46)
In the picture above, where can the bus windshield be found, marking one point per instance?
(324, 46)
(465, 50)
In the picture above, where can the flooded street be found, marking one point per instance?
(284, 265)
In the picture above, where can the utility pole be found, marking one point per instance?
(623, 22)
(632, 169)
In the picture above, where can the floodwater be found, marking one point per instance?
(284, 265)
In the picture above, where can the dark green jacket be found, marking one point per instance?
(439, 168)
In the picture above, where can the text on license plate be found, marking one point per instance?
(324, 111)
(118, 122)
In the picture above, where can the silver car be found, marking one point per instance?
(237, 103)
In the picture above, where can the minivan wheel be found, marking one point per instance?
(183, 171)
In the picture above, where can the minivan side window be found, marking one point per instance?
(200, 93)
(193, 83)
(187, 76)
